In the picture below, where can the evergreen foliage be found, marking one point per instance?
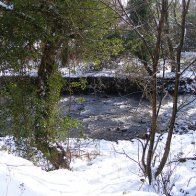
(40, 35)
(140, 14)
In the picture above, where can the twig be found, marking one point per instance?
(124, 153)
(190, 180)
(190, 64)
(185, 104)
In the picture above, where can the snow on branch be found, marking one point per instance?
(7, 7)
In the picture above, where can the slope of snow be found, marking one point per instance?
(102, 170)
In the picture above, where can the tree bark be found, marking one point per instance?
(185, 6)
(44, 132)
(154, 91)
(147, 68)
(45, 72)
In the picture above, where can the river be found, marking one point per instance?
(124, 117)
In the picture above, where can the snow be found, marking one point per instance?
(32, 72)
(187, 57)
(75, 72)
(188, 54)
(82, 70)
(102, 169)
(78, 72)
(168, 74)
(7, 7)
(8, 73)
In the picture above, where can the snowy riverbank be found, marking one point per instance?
(104, 168)
(101, 170)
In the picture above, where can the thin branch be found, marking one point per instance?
(129, 22)
(189, 65)
(190, 180)
(184, 105)
(124, 153)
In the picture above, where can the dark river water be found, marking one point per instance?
(122, 117)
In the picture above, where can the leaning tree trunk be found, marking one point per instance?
(47, 99)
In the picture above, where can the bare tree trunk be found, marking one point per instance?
(154, 91)
(155, 56)
(185, 6)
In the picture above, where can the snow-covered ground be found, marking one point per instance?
(186, 74)
(77, 70)
(101, 169)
